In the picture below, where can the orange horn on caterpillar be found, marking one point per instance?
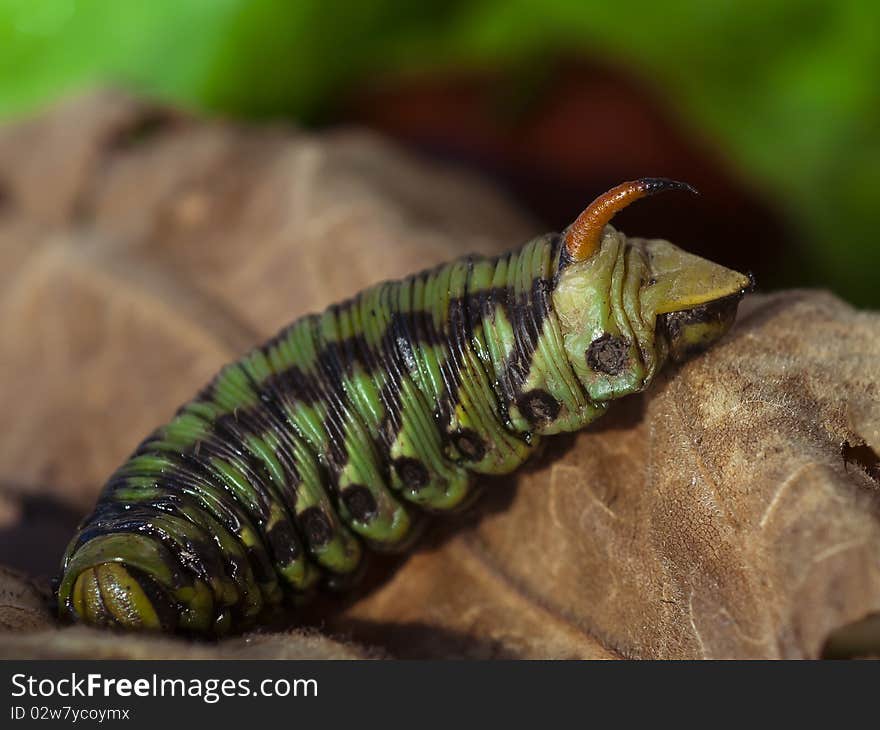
(582, 237)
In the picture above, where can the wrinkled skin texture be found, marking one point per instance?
(347, 421)
(714, 516)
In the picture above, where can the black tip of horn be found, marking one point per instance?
(653, 185)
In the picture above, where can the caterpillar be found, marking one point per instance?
(334, 436)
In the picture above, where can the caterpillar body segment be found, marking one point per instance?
(332, 437)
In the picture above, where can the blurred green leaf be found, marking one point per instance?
(788, 88)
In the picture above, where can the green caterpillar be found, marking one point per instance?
(334, 434)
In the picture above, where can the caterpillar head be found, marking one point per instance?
(693, 301)
(626, 304)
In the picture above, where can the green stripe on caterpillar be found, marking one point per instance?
(335, 435)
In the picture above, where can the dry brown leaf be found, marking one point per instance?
(23, 603)
(715, 516)
(82, 643)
